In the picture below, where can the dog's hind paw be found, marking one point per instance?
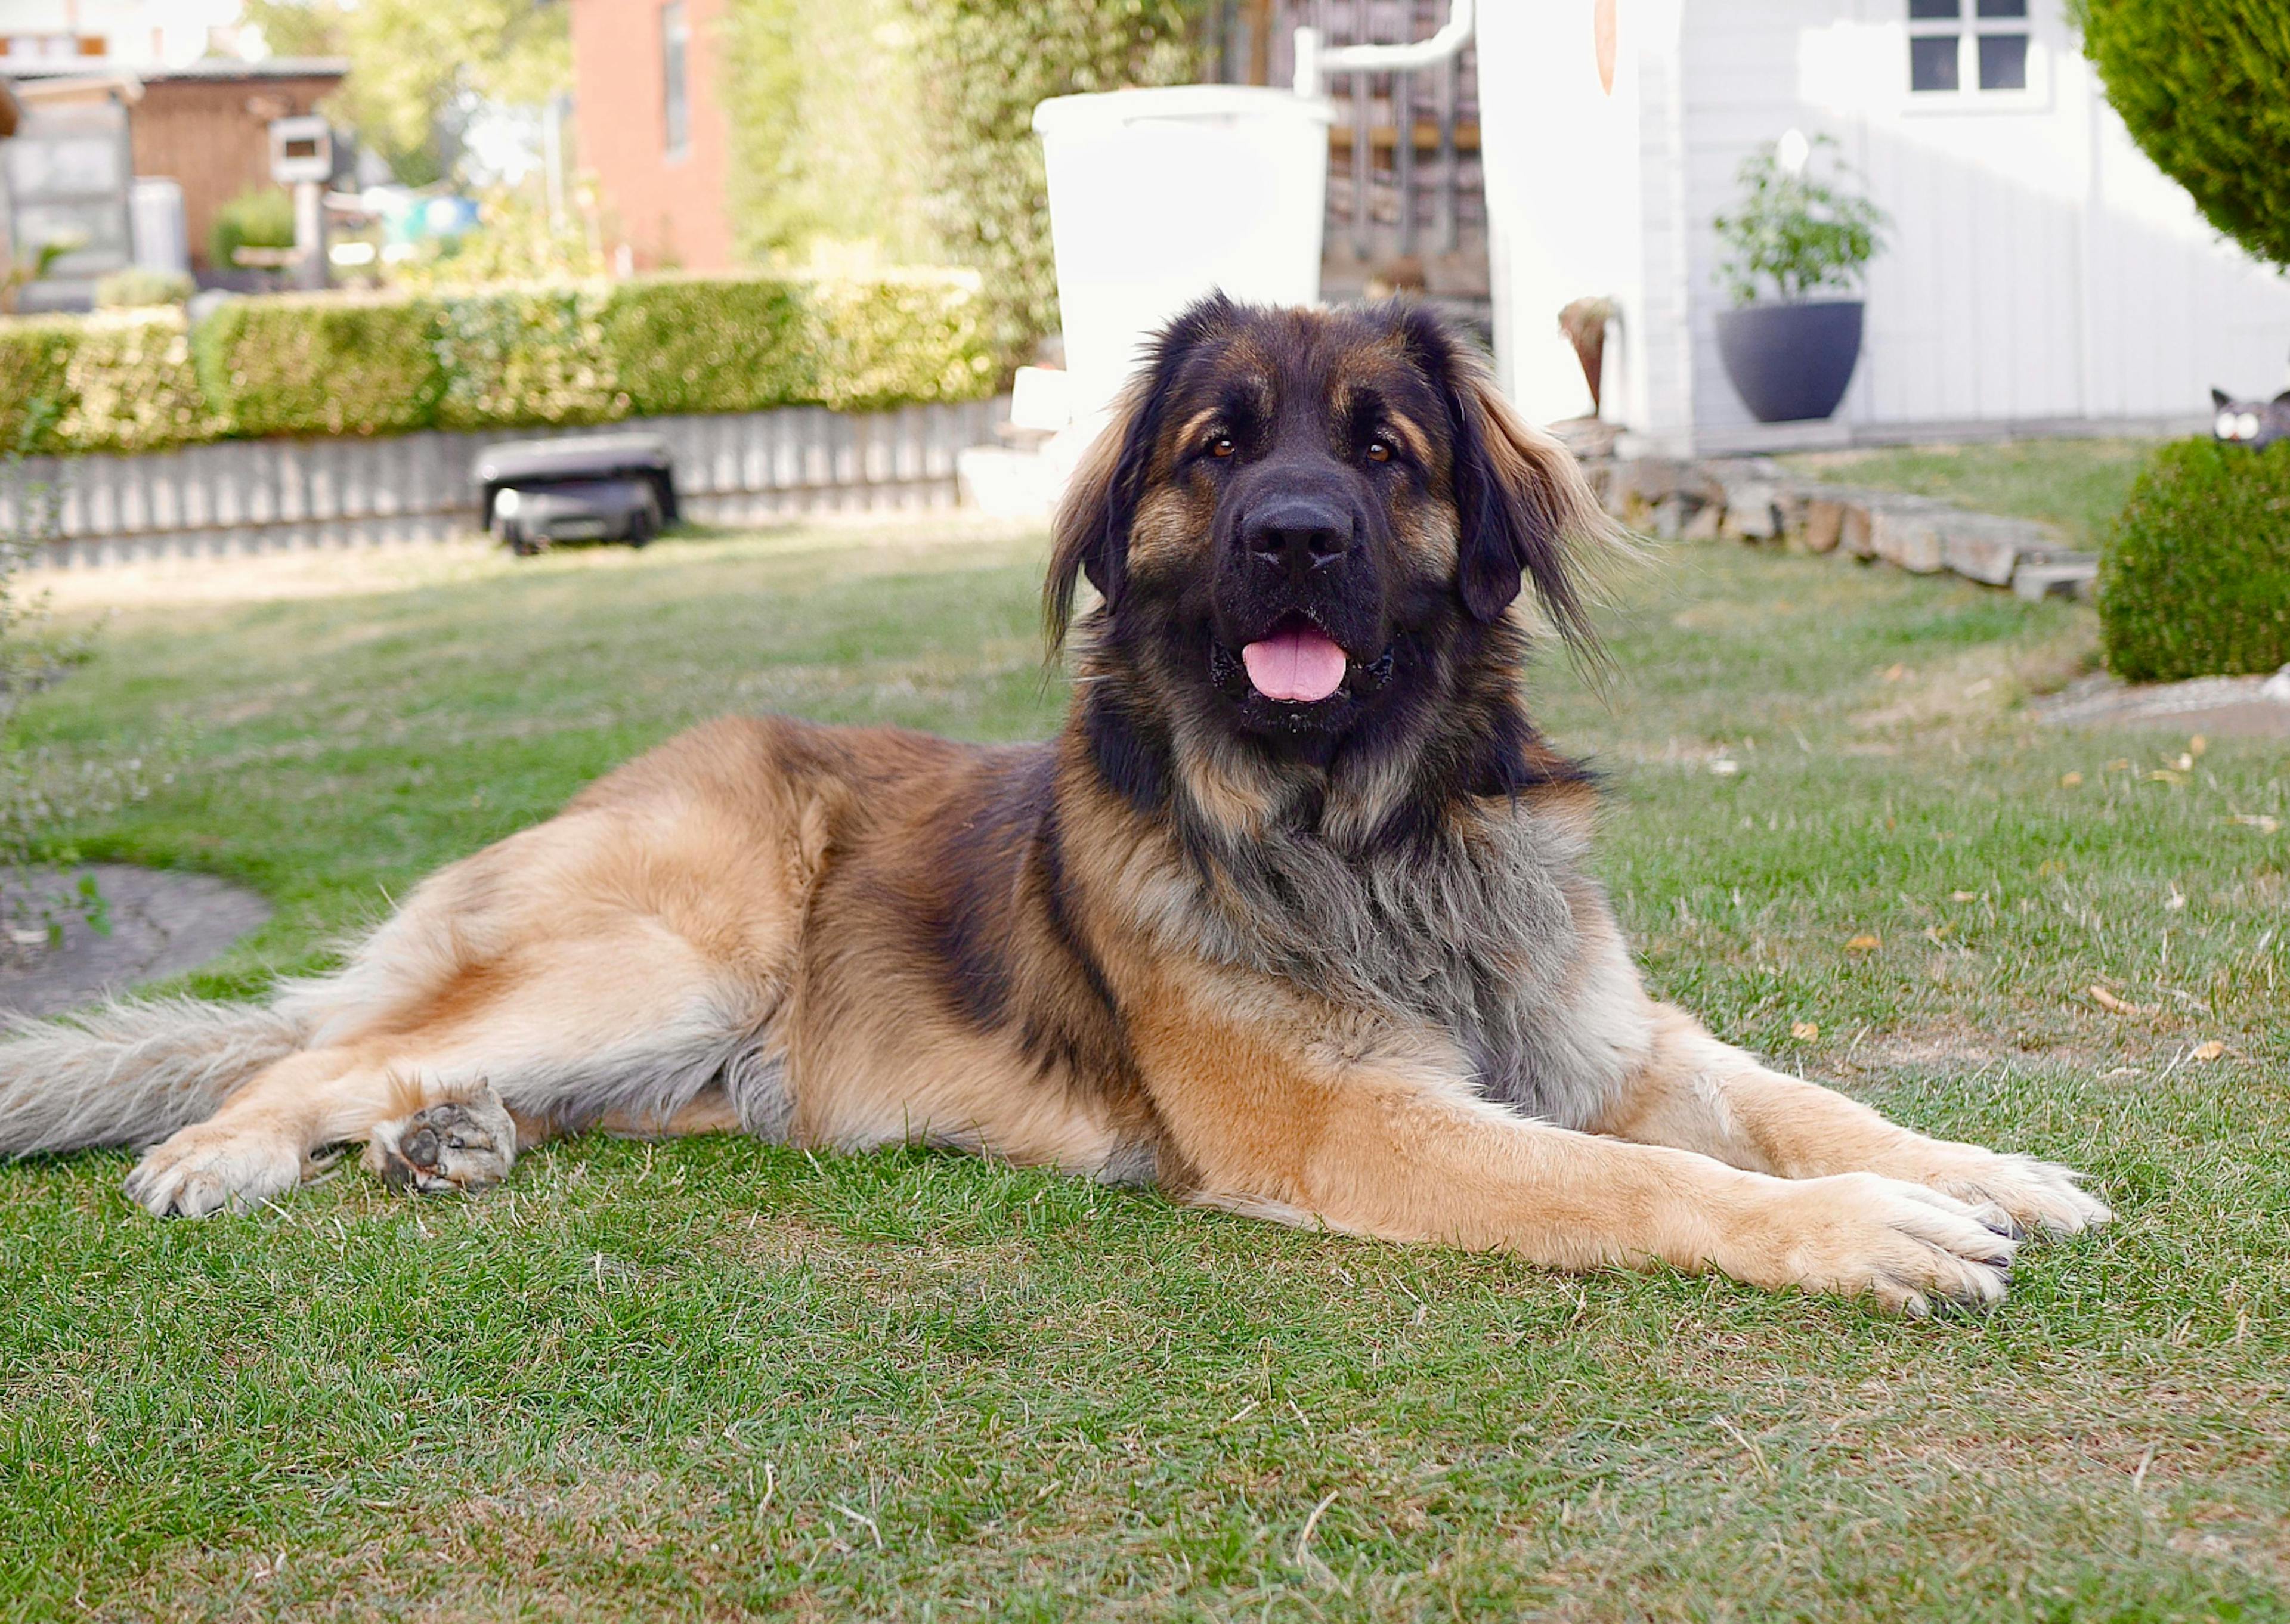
(467, 1144)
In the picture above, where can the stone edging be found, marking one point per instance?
(1757, 500)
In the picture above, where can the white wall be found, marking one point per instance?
(2038, 267)
(1565, 204)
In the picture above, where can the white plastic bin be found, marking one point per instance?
(1157, 197)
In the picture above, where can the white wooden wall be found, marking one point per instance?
(2039, 268)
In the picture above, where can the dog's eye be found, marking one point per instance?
(1221, 445)
(1379, 451)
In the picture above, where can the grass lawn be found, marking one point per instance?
(2080, 486)
(716, 1377)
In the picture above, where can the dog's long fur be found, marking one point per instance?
(1336, 959)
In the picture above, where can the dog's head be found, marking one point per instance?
(1308, 529)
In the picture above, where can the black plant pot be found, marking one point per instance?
(1791, 361)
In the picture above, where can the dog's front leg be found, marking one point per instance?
(1697, 1093)
(1384, 1138)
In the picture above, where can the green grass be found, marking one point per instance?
(715, 1377)
(2078, 485)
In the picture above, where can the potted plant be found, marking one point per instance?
(1796, 235)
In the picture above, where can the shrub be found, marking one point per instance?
(261, 217)
(527, 355)
(130, 385)
(708, 344)
(891, 340)
(322, 364)
(35, 355)
(135, 288)
(2194, 579)
(2200, 88)
(506, 357)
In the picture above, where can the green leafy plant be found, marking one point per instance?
(2200, 89)
(2195, 577)
(1796, 232)
(260, 217)
(136, 288)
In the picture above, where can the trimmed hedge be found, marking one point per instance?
(36, 357)
(130, 385)
(526, 356)
(2195, 581)
(308, 364)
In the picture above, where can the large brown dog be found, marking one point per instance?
(1292, 917)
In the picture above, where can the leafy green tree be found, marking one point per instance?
(905, 128)
(825, 131)
(418, 68)
(982, 66)
(2205, 90)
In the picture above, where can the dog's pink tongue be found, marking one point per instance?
(1303, 664)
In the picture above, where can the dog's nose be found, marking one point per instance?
(1298, 534)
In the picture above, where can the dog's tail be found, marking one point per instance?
(131, 1072)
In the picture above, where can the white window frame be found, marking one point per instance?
(1968, 26)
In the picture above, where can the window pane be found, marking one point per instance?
(1932, 62)
(2003, 61)
(1921, 9)
(2003, 8)
(674, 38)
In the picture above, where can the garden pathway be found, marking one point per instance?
(162, 923)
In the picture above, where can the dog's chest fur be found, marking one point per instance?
(1485, 930)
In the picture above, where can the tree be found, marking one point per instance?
(984, 66)
(419, 68)
(2205, 90)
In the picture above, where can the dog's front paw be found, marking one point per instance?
(2037, 1197)
(206, 1169)
(1904, 1246)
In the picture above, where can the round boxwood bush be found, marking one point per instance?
(2195, 581)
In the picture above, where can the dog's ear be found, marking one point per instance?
(1090, 534)
(1524, 510)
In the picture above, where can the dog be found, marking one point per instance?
(1292, 918)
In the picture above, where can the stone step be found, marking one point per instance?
(2059, 575)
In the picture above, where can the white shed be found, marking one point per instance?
(2041, 275)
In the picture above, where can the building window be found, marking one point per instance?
(1951, 52)
(675, 56)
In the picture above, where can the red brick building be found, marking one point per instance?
(650, 127)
